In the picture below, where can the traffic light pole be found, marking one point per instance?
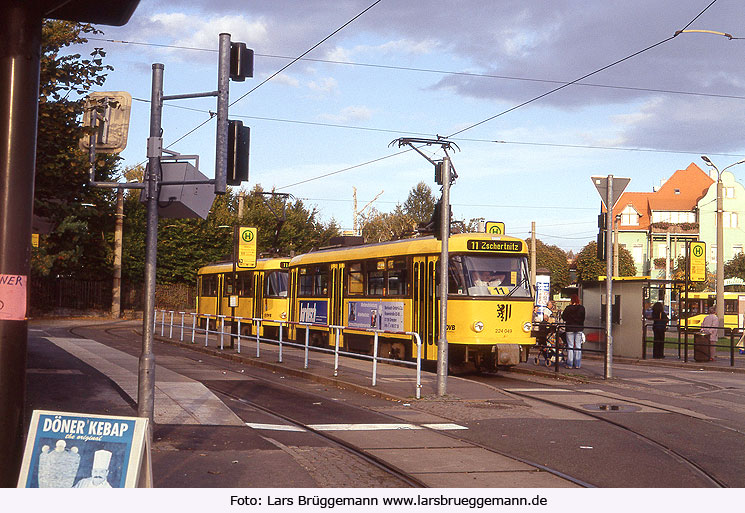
(146, 376)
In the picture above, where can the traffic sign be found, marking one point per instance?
(246, 247)
(619, 185)
(697, 261)
(495, 227)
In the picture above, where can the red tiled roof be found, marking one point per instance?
(690, 183)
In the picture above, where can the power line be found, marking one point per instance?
(282, 69)
(464, 139)
(536, 98)
(376, 2)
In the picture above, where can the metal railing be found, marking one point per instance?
(221, 321)
(684, 342)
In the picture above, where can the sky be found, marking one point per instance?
(478, 72)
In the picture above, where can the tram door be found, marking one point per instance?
(425, 311)
(258, 306)
(336, 303)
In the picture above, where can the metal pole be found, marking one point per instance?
(442, 342)
(223, 102)
(146, 376)
(532, 255)
(20, 47)
(116, 288)
(720, 253)
(609, 281)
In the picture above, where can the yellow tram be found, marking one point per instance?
(259, 293)
(393, 286)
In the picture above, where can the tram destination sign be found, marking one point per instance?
(501, 246)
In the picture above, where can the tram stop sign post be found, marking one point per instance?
(610, 189)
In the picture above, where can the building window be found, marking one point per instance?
(638, 253)
(729, 192)
(729, 219)
(629, 216)
(661, 250)
(737, 250)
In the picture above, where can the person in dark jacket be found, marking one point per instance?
(659, 325)
(574, 317)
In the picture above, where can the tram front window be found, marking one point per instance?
(489, 276)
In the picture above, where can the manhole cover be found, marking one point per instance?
(625, 408)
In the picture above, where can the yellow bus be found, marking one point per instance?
(698, 307)
(393, 286)
(259, 293)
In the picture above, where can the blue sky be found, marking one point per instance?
(643, 118)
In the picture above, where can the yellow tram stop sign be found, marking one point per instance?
(495, 227)
(246, 247)
(697, 261)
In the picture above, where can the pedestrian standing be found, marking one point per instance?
(659, 326)
(574, 317)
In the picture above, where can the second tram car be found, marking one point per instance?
(394, 287)
(259, 293)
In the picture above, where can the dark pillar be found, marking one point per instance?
(20, 46)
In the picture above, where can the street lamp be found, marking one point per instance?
(720, 239)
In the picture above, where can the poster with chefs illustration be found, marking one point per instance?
(76, 450)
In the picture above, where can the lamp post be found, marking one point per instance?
(720, 239)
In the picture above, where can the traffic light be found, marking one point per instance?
(239, 142)
(602, 219)
(241, 62)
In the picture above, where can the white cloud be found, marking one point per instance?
(325, 86)
(349, 114)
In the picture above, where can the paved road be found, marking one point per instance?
(672, 427)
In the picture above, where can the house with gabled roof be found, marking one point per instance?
(654, 226)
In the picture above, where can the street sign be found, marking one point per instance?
(246, 247)
(495, 227)
(601, 184)
(697, 261)
(108, 113)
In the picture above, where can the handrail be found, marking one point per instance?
(222, 320)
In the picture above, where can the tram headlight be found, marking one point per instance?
(478, 326)
(283, 315)
(527, 326)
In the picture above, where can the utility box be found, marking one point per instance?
(185, 200)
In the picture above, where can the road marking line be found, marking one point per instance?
(444, 427)
(356, 427)
(275, 427)
(362, 427)
(536, 390)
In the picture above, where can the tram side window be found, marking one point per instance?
(356, 285)
(276, 284)
(245, 284)
(313, 281)
(398, 278)
(209, 285)
(730, 306)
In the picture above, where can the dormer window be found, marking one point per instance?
(629, 216)
(677, 191)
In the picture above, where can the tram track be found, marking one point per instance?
(406, 478)
(660, 445)
(603, 416)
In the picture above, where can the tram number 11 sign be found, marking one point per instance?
(697, 261)
(246, 247)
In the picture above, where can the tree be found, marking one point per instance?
(80, 243)
(554, 259)
(589, 268)
(401, 223)
(185, 245)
